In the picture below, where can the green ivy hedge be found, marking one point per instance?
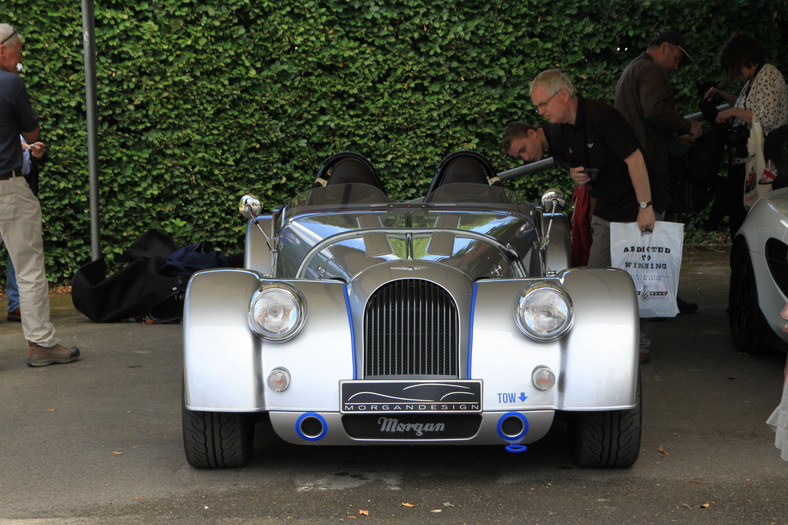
(201, 101)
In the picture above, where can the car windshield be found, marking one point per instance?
(338, 196)
(337, 231)
(459, 195)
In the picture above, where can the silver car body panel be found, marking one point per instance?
(767, 219)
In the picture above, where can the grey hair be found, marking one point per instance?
(553, 80)
(6, 31)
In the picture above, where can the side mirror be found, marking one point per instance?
(250, 206)
(553, 201)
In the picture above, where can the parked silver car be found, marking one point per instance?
(453, 319)
(759, 275)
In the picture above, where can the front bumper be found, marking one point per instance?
(486, 428)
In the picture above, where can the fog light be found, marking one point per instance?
(279, 379)
(543, 378)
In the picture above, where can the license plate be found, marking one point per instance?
(376, 397)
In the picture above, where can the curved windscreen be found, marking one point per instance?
(339, 231)
(338, 196)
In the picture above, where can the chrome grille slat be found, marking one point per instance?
(411, 329)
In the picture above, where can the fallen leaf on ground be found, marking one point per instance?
(447, 504)
(51, 409)
(699, 482)
(705, 506)
(663, 451)
(363, 512)
(118, 453)
(436, 510)
(408, 505)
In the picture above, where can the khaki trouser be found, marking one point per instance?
(20, 230)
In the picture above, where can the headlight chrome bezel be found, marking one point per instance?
(543, 293)
(286, 296)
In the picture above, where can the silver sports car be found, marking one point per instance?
(452, 319)
(759, 275)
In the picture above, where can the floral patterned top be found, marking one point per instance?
(767, 98)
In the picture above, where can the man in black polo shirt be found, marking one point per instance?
(20, 211)
(529, 143)
(602, 152)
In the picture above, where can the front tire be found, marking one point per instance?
(608, 439)
(217, 439)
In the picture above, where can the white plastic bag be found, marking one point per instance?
(653, 260)
(759, 176)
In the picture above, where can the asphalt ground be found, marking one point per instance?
(99, 441)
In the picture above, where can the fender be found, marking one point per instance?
(594, 354)
(226, 364)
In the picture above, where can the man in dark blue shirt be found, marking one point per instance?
(20, 211)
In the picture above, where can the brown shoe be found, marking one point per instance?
(54, 355)
(14, 316)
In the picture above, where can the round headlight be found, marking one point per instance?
(276, 312)
(544, 311)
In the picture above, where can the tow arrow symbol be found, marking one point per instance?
(523, 397)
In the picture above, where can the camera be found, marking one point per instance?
(708, 104)
(593, 174)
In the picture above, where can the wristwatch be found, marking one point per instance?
(645, 205)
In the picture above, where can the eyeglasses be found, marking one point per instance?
(542, 105)
(6, 39)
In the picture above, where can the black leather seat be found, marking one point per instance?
(347, 168)
(462, 167)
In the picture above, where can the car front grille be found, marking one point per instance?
(410, 329)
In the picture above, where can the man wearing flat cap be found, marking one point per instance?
(645, 99)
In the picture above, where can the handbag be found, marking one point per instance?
(653, 260)
(758, 173)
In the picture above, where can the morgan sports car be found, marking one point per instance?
(446, 320)
(759, 276)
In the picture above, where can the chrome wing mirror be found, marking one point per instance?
(553, 201)
(251, 208)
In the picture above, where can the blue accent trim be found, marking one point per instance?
(515, 448)
(512, 440)
(470, 331)
(316, 416)
(352, 332)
